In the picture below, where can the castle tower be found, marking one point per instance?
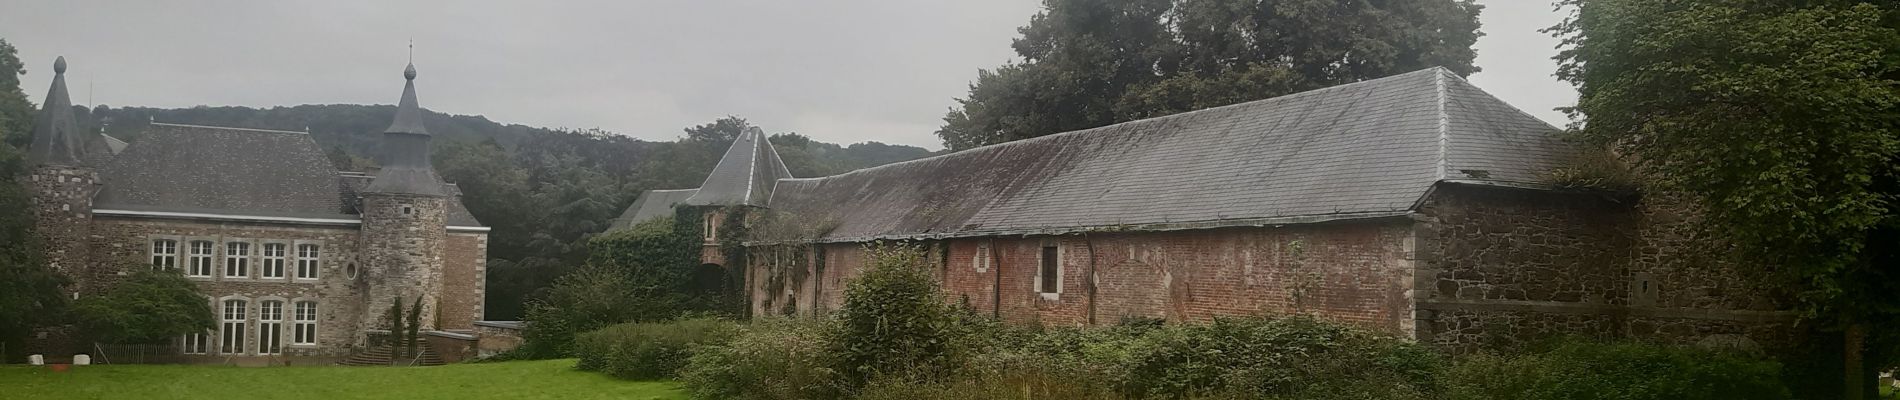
(404, 213)
(61, 184)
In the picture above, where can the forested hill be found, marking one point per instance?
(544, 191)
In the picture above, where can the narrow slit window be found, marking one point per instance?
(1051, 270)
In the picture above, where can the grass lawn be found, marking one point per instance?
(552, 379)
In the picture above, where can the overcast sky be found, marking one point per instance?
(839, 71)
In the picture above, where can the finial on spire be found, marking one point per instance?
(59, 65)
(410, 72)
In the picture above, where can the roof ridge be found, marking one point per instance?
(1285, 97)
(230, 128)
(1444, 123)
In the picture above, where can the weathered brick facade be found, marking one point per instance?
(1475, 267)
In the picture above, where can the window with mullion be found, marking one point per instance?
(305, 330)
(273, 266)
(270, 327)
(307, 257)
(231, 332)
(237, 259)
(164, 254)
(200, 259)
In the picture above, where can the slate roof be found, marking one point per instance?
(203, 169)
(56, 136)
(652, 204)
(744, 176)
(406, 166)
(1361, 150)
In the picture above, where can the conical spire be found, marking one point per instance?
(406, 168)
(745, 176)
(56, 136)
(408, 114)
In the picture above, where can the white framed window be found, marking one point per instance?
(981, 261)
(231, 331)
(307, 257)
(270, 327)
(305, 330)
(237, 259)
(164, 254)
(273, 265)
(200, 259)
(193, 343)
(1049, 276)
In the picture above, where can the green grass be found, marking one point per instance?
(552, 379)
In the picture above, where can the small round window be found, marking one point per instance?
(350, 270)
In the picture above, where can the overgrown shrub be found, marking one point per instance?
(767, 360)
(1581, 370)
(587, 299)
(648, 350)
(151, 306)
(894, 320)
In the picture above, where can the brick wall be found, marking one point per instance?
(1356, 273)
(464, 272)
(1505, 267)
(121, 243)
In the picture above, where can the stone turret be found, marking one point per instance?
(405, 215)
(62, 184)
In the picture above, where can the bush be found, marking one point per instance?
(651, 350)
(766, 360)
(149, 307)
(1579, 369)
(587, 299)
(1287, 358)
(894, 320)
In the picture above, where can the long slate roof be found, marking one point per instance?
(203, 169)
(652, 204)
(744, 176)
(1361, 150)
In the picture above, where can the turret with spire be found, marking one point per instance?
(62, 183)
(405, 215)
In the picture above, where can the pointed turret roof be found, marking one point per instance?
(406, 168)
(408, 113)
(745, 175)
(56, 135)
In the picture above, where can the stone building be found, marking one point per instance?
(296, 258)
(1414, 205)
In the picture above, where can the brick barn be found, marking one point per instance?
(297, 258)
(1414, 205)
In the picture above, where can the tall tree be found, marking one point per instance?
(1088, 63)
(30, 291)
(1782, 117)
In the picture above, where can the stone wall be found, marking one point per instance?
(1506, 267)
(403, 238)
(122, 243)
(62, 209)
